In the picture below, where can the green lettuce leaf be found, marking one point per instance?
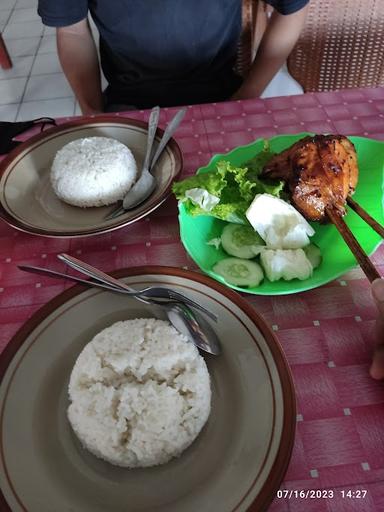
(235, 187)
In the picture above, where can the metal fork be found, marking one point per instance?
(147, 165)
(139, 295)
(182, 317)
(152, 291)
(157, 295)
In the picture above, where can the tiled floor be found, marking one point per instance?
(35, 86)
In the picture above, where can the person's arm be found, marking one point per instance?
(377, 366)
(78, 57)
(279, 38)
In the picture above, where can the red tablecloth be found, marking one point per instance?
(327, 334)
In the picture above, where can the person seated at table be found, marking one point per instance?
(377, 366)
(165, 52)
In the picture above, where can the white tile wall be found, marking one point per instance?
(35, 86)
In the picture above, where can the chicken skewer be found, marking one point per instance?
(321, 173)
(365, 216)
(363, 260)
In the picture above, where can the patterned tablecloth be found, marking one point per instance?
(327, 334)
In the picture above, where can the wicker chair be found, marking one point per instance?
(253, 20)
(341, 45)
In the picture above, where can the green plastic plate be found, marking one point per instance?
(195, 232)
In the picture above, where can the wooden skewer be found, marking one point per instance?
(363, 260)
(365, 216)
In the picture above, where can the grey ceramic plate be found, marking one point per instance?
(27, 200)
(237, 462)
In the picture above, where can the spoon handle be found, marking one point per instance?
(168, 132)
(93, 272)
(152, 126)
(60, 275)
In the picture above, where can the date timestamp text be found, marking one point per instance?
(310, 494)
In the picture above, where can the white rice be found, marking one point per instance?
(140, 393)
(93, 171)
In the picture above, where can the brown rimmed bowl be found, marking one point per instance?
(27, 200)
(237, 462)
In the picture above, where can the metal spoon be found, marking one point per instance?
(152, 127)
(151, 294)
(194, 327)
(186, 321)
(147, 182)
(181, 316)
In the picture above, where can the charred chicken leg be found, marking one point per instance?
(320, 171)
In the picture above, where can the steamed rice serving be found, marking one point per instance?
(140, 393)
(93, 171)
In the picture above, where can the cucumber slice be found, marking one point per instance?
(241, 241)
(313, 253)
(239, 272)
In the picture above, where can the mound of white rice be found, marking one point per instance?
(140, 393)
(93, 171)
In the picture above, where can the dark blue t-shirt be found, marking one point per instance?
(165, 52)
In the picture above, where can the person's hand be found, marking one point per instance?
(91, 111)
(377, 366)
(245, 92)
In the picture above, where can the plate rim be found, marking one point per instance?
(78, 123)
(286, 442)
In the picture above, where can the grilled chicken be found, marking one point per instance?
(320, 172)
